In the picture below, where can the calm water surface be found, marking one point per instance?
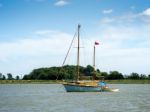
(53, 98)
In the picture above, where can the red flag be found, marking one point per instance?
(96, 43)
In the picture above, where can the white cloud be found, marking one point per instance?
(125, 60)
(125, 43)
(61, 3)
(22, 56)
(107, 20)
(107, 11)
(146, 12)
(124, 46)
(47, 33)
(128, 18)
(49, 49)
(113, 53)
(121, 49)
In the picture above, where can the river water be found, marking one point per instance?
(53, 98)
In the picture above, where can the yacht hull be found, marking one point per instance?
(81, 88)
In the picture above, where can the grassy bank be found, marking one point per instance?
(59, 82)
(127, 81)
(30, 82)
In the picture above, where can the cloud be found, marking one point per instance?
(124, 60)
(121, 48)
(128, 18)
(48, 32)
(49, 49)
(124, 46)
(22, 56)
(125, 43)
(106, 20)
(146, 12)
(61, 3)
(107, 11)
(124, 49)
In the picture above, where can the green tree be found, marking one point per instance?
(9, 75)
(115, 75)
(17, 77)
(143, 76)
(98, 71)
(88, 70)
(98, 76)
(26, 77)
(134, 76)
(104, 74)
(69, 72)
(1, 76)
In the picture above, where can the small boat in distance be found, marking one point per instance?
(79, 85)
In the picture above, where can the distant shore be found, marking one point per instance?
(60, 81)
(128, 81)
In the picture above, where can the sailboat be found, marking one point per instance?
(83, 86)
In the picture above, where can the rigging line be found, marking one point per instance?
(69, 49)
(67, 54)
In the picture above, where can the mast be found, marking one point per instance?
(94, 75)
(78, 54)
(94, 58)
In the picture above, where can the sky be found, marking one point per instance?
(37, 33)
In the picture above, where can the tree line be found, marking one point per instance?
(9, 77)
(68, 72)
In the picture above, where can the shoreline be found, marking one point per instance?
(126, 81)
